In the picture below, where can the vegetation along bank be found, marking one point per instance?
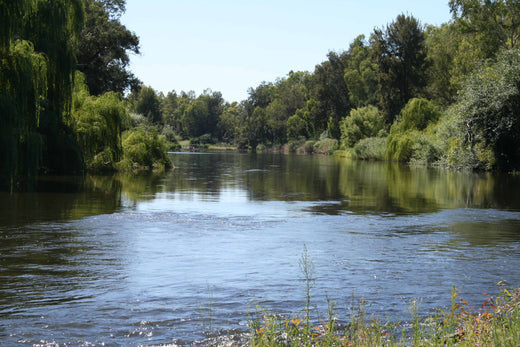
(410, 92)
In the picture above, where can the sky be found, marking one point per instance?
(231, 45)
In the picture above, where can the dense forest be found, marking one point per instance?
(440, 95)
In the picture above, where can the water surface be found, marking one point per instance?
(174, 258)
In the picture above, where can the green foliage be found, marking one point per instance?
(296, 126)
(148, 104)
(406, 139)
(24, 75)
(198, 116)
(361, 123)
(401, 56)
(308, 147)
(103, 48)
(488, 106)
(330, 91)
(370, 148)
(97, 123)
(36, 69)
(442, 43)
(361, 74)
(255, 128)
(229, 122)
(171, 137)
(418, 114)
(326, 146)
(144, 148)
(494, 24)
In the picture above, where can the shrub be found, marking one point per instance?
(143, 148)
(418, 114)
(326, 146)
(406, 139)
(169, 134)
(370, 148)
(359, 124)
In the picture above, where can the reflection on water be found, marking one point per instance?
(150, 258)
(348, 186)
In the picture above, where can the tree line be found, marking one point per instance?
(445, 95)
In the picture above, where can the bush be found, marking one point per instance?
(361, 123)
(418, 114)
(400, 146)
(370, 148)
(143, 148)
(169, 134)
(326, 146)
(406, 139)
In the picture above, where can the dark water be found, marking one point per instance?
(178, 257)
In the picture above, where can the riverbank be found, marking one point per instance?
(495, 323)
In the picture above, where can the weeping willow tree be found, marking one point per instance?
(37, 38)
(97, 122)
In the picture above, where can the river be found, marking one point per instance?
(179, 257)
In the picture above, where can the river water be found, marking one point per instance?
(177, 258)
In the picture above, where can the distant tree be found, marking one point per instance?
(296, 127)
(104, 46)
(361, 74)
(148, 104)
(312, 116)
(443, 73)
(255, 129)
(401, 53)
(289, 96)
(261, 96)
(194, 117)
(331, 93)
(215, 106)
(170, 105)
(229, 122)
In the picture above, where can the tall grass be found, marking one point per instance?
(495, 323)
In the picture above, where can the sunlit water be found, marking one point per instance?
(186, 255)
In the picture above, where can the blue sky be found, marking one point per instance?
(232, 45)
